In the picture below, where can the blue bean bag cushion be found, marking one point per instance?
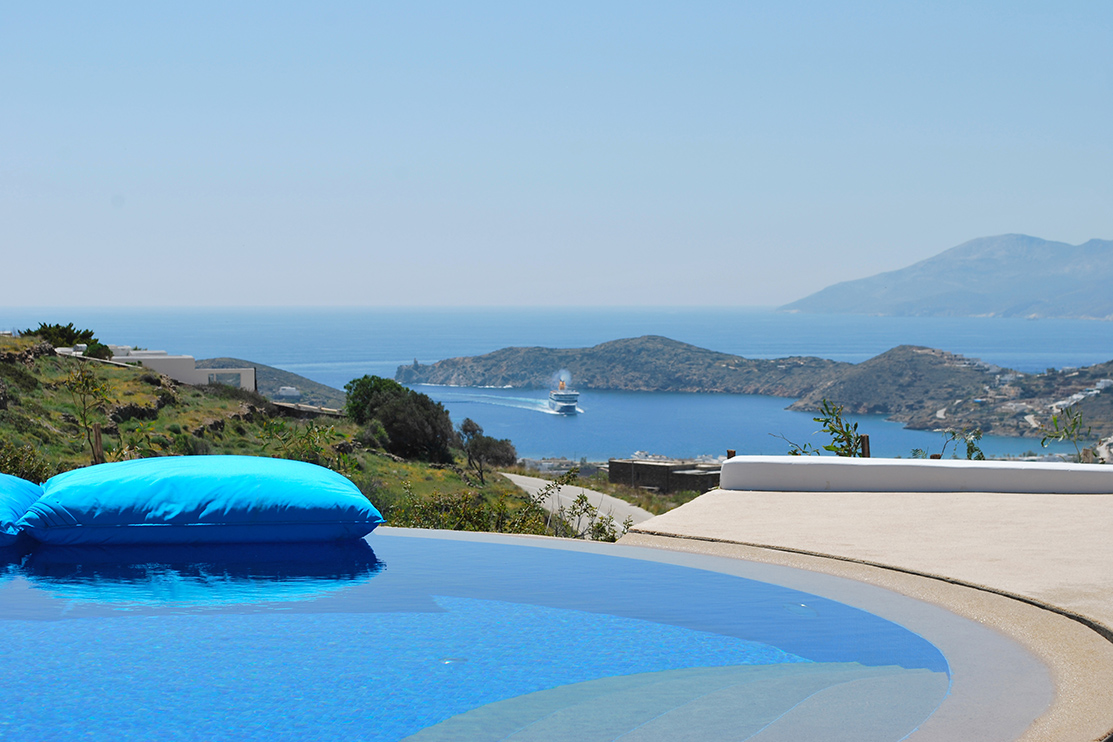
(16, 495)
(199, 499)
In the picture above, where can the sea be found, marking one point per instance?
(335, 345)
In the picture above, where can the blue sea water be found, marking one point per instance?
(335, 345)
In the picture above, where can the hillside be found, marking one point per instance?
(924, 388)
(1010, 275)
(649, 363)
(268, 379)
(930, 389)
(145, 414)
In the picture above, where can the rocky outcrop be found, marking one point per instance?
(135, 411)
(28, 355)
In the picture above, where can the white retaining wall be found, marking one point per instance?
(839, 474)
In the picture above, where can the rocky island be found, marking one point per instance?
(924, 388)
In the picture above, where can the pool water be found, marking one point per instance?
(405, 636)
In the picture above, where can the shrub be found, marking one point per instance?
(97, 349)
(188, 445)
(414, 426)
(61, 336)
(17, 377)
(367, 394)
(845, 439)
(24, 462)
(310, 442)
(226, 391)
(467, 511)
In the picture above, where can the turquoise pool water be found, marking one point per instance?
(435, 638)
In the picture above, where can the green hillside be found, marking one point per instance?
(145, 414)
(51, 407)
(269, 379)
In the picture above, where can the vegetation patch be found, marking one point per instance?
(398, 446)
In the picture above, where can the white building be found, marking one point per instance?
(178, 368)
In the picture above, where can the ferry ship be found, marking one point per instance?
(563, 400)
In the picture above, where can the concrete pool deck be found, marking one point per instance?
(1037, 568)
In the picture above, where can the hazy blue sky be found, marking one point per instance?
(528, 153)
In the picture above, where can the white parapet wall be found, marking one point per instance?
(838, 474)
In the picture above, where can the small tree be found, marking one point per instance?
(89, 394)
(952, 436)
(1066, 425)
(483, 451)
(845, 439)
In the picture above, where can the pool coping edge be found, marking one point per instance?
(1077, 650)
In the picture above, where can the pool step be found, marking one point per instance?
(763, 703)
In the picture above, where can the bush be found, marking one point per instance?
(188, 445)
(62, 336)
(308, 442)
(373, 435)
(226, 391)
(404, 422)
(367, 394)
(97, 349)
(418, 428)
(17, 377)
(24, 462)
(466, 511)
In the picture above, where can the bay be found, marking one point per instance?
(333, 346)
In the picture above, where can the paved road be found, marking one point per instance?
(616, 508)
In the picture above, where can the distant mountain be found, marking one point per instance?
(1011, 275)
(646, 364)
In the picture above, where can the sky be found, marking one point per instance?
(533, 154)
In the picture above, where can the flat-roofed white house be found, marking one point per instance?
(178, 367)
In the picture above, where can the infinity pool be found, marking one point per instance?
(440, 638)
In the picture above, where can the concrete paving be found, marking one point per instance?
(1054, 549)
(620, 510)
(1053, 552)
